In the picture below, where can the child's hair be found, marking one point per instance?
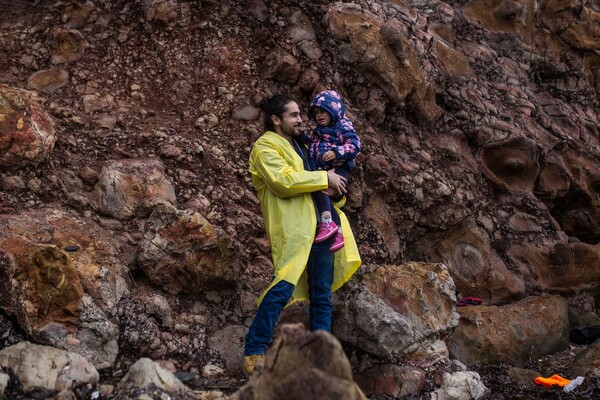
(274, 105)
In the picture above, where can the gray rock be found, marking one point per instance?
(462, 385)
(229, 343)
(46, 367)
(246, 113)
(128, 188)
(145, 373)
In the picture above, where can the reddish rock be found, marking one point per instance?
(392, 380)
(27, 132)
(280, 66)
(516, 333)
(396, 309)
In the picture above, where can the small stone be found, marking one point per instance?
(246, 113)
(210, 371)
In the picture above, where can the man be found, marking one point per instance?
(282, 176)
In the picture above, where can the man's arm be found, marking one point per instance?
(281, 178)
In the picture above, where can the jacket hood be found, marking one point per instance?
(330, 101)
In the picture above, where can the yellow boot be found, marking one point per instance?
(249, 363)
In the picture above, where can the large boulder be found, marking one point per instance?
(44, 367)
(476, 268)
(131, 188)
(302, 365)
(27, 132)
(184, 253)
(515, 333)
(396, 309)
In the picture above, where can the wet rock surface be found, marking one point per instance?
(479, 123)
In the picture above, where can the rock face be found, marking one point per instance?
(302, 365)
(27, 132)
(516, 334)
(379, 51)
(481, 151)
(396, 310)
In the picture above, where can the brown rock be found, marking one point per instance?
(49, 288)
(48, 81)
(302, 365)
(68, 45)
(377, 211)
(563, 267)
(574, 23)
(280, 66)
(77, 14)
(587, 360)
(512, 165)
(515, 16)
(166, 11)
(392, 380)
(477, 270)
(70, 281)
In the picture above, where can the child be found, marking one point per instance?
(333, 144)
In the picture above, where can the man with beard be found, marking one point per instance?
(284, 179)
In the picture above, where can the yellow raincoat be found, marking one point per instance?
(284, 188)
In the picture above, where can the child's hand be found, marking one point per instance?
(329, 156)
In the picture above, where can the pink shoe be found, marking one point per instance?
(338, 243)
(325, 231)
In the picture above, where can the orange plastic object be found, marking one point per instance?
(553, 380)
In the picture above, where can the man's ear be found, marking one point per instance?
(275, 119)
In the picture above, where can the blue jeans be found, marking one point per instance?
(320, 278)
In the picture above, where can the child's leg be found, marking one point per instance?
(328, 227)
(323, 204)
(345, 173)
(335, 216)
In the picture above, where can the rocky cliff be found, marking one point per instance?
(130, 229)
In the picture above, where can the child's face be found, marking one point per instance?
(323, 118)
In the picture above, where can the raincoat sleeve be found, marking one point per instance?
(281, 178)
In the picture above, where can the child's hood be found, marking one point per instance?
(330, 101)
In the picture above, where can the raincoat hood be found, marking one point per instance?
(330, 101)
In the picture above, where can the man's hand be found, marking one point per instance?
(336, 182)
(329, 156)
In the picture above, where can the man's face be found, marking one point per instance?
(290, 124)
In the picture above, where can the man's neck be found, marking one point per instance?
(283, 135)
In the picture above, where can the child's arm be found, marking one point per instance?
(349, 149)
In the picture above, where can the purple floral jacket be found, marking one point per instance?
(339, 136)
